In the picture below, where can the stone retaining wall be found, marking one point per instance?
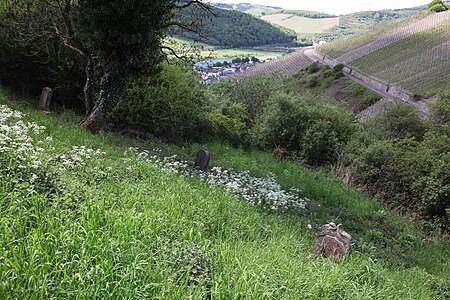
(394, 91)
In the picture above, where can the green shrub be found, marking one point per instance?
(338, 67)
(228, 122)
(370, 100)
(437, 6)
(169, 107)
(440, 109)
(320, 144)
(312, 81)
(292, 122)
(252, 92)
(399, 120)
(328, 73)
(312, 68)
(358, 89)
(338, 74)
(406, 173)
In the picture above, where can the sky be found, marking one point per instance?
(335, 7)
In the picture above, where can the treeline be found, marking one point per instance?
(232, 29)
(306, 13)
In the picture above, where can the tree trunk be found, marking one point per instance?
(112, 88)
(88, 98)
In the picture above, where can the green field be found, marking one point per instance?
(215, 52)
(116, 223)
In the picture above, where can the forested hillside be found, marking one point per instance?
(234, 29)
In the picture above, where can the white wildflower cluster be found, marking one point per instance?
(18, 153)
(27, 157)
(78, 157)
(263, 192)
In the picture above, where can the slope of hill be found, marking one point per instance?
(101, 220)
(231, 28)
(302, 24)
(284, 66)
(309, 25)
(413, 54)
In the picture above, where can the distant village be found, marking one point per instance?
(211, 72)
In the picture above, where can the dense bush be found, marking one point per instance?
(320, 144)
(169, 107)
(312, 68)
(294, 123)
(312, 81)
(176, 107)
(405, 162)
(253, 92)
(399, 120)
(437, 6)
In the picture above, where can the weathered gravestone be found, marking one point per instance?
(332, 242)
(202, 160)
(46, 98)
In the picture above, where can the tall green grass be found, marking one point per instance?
(140, 233)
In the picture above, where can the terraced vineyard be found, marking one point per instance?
(412, 54)
(420, 63)
(285, 66)
(351, 48)
(343, 45)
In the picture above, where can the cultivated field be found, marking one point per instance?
(354, 46)
(302, 24)
(412, 54)
(285, 66)
(420, 63)
(395, 35)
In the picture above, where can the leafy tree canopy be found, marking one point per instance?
(437, 6)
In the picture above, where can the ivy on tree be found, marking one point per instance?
(126, 36)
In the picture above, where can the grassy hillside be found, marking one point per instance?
(325, 81)
(231, 28)
(412, 54)
(302, 24)
(87, 217)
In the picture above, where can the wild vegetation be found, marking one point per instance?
(122, 214)
(331, 82)
(89, 217)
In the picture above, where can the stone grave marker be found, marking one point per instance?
(332, 242)
(202, 160)
(46, 98)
